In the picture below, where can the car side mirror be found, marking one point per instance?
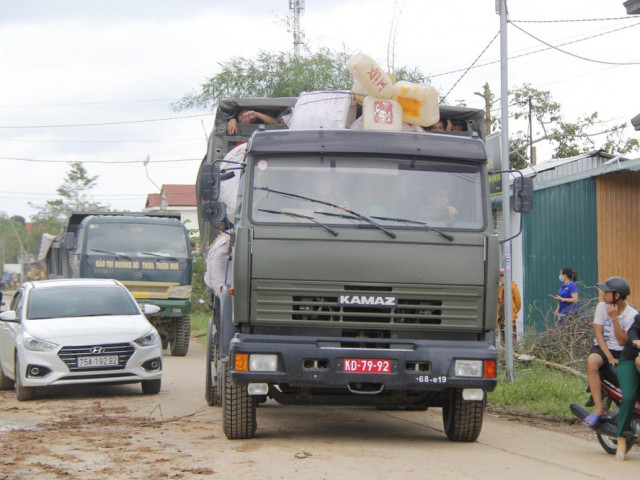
(522, 194)
(9, 316)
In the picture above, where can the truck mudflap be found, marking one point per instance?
(314, 362)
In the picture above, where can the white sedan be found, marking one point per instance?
(77, 331)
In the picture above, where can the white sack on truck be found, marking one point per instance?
(335, 109)
(217, 257)
(229, 187)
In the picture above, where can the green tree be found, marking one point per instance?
(74, 197)
(568, 138)
(280, 74)
(12, 238)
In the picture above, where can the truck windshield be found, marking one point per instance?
(137, 240)
(393, 193)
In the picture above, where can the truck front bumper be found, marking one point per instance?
(417, 365)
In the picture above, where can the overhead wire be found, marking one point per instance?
(172, 160)
(106, 123)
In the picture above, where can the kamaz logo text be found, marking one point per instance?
(368, 300)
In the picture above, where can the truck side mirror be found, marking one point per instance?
(210, 182)
(522, 194)
(214, 211)
(69, 241)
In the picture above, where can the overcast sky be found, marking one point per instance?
(92, 80)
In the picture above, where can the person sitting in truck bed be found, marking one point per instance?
(248, 116)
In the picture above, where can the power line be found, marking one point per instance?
(90, 103)
(535, 51)
(571, 20)
(470, 66)
(101, 141)
(108, 123)
(579, 56)
(101, 161)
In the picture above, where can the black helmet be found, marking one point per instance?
(616, 284)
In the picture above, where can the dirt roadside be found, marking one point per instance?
(118, 433)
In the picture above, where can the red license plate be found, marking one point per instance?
(366, 365)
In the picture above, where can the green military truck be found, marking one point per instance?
(361, 269)
(149, 253)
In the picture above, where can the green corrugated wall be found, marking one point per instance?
(561, 231)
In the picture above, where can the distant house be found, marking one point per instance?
(176, 198)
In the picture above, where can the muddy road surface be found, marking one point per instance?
(118, 433)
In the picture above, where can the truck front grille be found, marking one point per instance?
(421, 307)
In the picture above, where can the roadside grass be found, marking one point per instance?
(200, 323)
(539, 389)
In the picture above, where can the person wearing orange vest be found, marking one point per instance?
(516, 304)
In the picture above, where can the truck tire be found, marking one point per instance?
(151, 387)
(180, 337)
(5, 382)
(238, 408)
(462, 418)
(212, 390)
(23, 393)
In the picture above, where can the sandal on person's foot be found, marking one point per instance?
(591, 420)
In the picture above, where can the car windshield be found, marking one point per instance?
(373, 192)
(79, 301)
(137, 239)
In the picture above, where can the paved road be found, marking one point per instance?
(118, 433)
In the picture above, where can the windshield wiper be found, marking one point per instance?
(322, 202)
(415, 222)
(298, 215)
(167, 257)
(111, 253)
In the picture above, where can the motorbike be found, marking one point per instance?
(606, 428)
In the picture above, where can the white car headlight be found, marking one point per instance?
(36, 345)
(151, 338)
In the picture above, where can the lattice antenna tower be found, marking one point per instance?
(391, 44)
(297, 8)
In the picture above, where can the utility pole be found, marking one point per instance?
(501, 6)
(297, 8)
(488, 101)
(532, 149)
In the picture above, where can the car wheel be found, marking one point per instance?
(23, 393)
(5, 382)
(462, 418)
(151, 387)
(180, 338)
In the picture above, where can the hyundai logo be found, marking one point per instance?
(96, 350)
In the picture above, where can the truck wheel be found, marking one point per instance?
(23, 393)
(238, 408)
(5, 382)
(180, 338)
(212, 391)
(462, 418)
(151, 387)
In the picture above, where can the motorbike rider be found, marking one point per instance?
(628, 378)
(612, 319)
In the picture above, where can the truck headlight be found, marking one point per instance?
(468, 368)
(259, 362)
(36, 345)
(151, 338)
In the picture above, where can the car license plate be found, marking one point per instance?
(366, 365)
(102, 361)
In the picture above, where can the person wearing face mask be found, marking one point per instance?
(567, 297)
(516, 303)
